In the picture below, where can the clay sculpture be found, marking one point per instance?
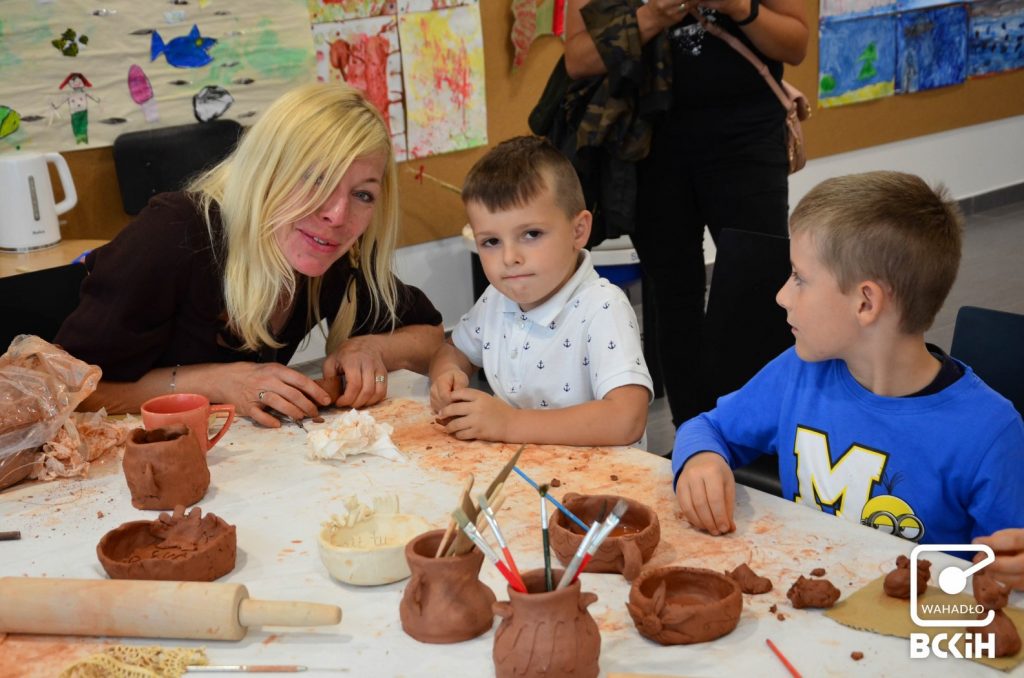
(626, 548)
(749, 581)
(546, 634)
(165, 467)
(994, 595)
(812, 593)
(176, 547)
(684, 605)
(445, 601)
(897, 582)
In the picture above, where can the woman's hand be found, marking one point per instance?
(361, 361)
(254, 387)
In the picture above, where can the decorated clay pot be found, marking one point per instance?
(445, 601)
(546, 634)
(165, 467)
(683, 605)
(626, 549)
(175, 547)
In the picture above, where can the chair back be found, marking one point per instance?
(165, 159)
(38, 302)
(744, 328)
(992, 343)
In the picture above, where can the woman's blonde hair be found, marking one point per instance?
(284, 168)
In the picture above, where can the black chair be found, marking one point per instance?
(744, 328)
(38, 302)
(992, 343)
(164, 159)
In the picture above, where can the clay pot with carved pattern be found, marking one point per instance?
(444, 601)
(627, 548)
(165, 467)
(546, 634)
(684, 605)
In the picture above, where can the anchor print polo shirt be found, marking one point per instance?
(577, 346)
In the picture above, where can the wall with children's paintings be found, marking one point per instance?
(430, 203)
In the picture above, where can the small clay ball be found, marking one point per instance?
(856, 656)
(818, 572)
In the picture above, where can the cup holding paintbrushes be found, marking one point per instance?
(624, 549)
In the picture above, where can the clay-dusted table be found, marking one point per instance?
(263, 483)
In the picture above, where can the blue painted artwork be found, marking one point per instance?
(186, 51)
(931, 48)
(996, 37)
(856, 59)
(911, 5)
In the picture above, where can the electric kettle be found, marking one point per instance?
(28, 210)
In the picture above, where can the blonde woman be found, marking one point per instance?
(211, 290)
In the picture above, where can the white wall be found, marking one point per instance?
(969, 160)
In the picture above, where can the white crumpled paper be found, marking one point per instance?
(352, 433)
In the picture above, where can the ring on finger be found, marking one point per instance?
(682, 7)
(379, 379)
(261, 395)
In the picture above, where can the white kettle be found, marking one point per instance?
(28, 210)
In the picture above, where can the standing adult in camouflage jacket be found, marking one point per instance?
(717, 157)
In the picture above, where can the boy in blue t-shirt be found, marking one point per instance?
(868, 422)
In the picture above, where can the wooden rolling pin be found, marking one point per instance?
(146, 609)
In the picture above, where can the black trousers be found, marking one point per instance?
(723, 169)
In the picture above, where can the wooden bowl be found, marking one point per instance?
(145, 549)
(371, 552)
(684, 605)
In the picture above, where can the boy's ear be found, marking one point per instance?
(581, 228)
(871, 300)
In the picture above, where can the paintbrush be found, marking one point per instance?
(782, 658)
(462, 544)
(569, 514)
(466, 486)
(549, 584)
(495, 503)
(577, 557)
(245, 668)
(470, 531)
(602, 534)
(488, 515)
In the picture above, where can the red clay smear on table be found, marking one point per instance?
(28, 656)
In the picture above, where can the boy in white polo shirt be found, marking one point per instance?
(560, 345)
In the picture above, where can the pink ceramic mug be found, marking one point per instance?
(190, 409)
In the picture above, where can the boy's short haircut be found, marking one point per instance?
(890, 227)
(517, 170)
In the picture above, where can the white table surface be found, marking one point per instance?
(263, 482)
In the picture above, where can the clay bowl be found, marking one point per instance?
(371, 552)
(625, 550)
(133, 551)
(684, 605)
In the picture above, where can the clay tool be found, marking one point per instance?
(146, 609)
(470, 530)
(568, 514)
(782, 658)
(466, 486)
(488, 515)
(549, 584)
(10, 536)
(462, 544)
(245, 668)
(569, 575)
(601, 535)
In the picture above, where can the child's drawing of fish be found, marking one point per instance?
(186, 51)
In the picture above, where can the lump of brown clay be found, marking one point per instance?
(332, 385)
(749, 581)
(812, 593)
(897, 582)
(445, 601)
(989, 592)
(1007, 637)
(818, 572)
(165, 467)
(856, 655)
(523, 644)
(628, 546)
(683, 605)
(177, 547)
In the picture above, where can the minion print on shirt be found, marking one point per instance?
(845, 488)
